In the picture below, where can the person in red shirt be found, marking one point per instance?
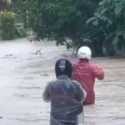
(86, 73)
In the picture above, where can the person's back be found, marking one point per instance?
(66, 98)
(86, 73)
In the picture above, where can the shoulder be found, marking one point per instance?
(51, 83)
(55, 82)
(94, 66)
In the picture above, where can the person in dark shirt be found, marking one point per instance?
(66, 96)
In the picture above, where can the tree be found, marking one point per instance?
(7, 25)
(20, 7)
(109, 19)
(62, 20)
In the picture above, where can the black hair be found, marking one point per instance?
(63, 67)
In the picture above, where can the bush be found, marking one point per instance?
(20, 30)
(7, 25)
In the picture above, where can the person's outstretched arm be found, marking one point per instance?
(98, 72)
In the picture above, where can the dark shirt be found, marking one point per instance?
(66, 98)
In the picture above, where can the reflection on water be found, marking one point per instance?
(26, 67)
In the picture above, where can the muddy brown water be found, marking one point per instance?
(25, 69)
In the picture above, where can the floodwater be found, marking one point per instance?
(25, 69)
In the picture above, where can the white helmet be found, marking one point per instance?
(84, 52)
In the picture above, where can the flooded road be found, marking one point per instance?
(26, 67)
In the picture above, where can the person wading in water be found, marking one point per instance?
(86, 73)
(66, 96)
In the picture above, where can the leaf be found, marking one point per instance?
(90, 20)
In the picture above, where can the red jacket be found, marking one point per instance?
(86, 73)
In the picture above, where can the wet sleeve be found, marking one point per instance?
(98, 72)
(47, 93)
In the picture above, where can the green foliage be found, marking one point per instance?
(20, 8)
(7, 25)
(109, 19)
(98, 23)
(20, 30)
(23, 10)
(62, 20)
